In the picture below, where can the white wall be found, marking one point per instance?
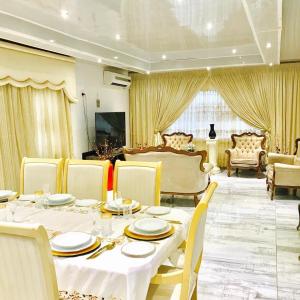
(89, 79)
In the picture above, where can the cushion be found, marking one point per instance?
(244, 161)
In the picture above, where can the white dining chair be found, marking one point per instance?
(180, 282)
(138, 180)
(27, 269)
(86, 179)
(41, 173)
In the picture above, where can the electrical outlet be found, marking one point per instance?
(98, 102)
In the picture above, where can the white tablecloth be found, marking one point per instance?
(112, 274)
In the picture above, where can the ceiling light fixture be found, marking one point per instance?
(270, 64)
(64, 14)
(51, 41)
(164, 56)
(209, 26)
(99, 60)
(233, 51)
(148, 72)
(116, 57)
(118, 37)
(208, 68)
(268, 45)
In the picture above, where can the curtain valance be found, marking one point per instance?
(23, 66)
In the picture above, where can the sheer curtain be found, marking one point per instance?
(34, 123)
(209, 108)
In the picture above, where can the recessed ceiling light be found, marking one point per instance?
(64, 14)
(240, 57)
(51, 41)
(164, 56)
(268, 45)
(99, 60)
(148, 72)
(209, 26)
(118, 37)
(116, 57)
(270, 64)
(233, 51)
(208, 68)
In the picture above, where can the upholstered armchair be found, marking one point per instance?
(247, 152)
(283, 170)
(176, 140)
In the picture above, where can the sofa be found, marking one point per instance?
(183, 172)
(176, 140)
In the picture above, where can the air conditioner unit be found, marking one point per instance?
(115, 79)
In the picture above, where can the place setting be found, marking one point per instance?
(7, 195)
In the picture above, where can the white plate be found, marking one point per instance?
(50, 203)
(59, 198)
(150, 225)
(29, 197)
(112, 205)
(86, 202)
(158, 210)
(136, 231)
(72, 241)
(138, 249)
(5, 193)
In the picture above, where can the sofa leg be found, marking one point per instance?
(272, 192)
(196, 200)
(237, 172)
(257, 173)
(228, 171)
(298, 227)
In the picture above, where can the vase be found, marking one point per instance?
(212, 133)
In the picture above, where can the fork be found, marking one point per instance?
(109, 246)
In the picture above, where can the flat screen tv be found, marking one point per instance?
(110, 128)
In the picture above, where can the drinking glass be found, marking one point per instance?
(38, 197)
(118, 202)
(106, 224)
(12, 209)
(127, 208)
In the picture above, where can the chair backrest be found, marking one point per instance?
(182, 171)
(176, 139)
(248, 144)
(37, 172)
(138, 180)
(195, 239)
(27, 269)
(86, 179)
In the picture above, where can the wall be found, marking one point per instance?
(89, 79)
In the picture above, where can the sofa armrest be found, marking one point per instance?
(280, 158)
(207, 167)
(287, 175)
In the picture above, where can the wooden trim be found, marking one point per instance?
(176, 133)
(296, 145)
(203, 153)
(248, 134)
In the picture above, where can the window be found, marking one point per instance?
(207, 108)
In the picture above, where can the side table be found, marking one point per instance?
(213, 155)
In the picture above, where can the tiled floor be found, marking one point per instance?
(251, 245)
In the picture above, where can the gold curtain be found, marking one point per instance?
(157, 100)
(34, 123)
(265, 97)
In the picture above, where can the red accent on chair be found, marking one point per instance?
(110, 177)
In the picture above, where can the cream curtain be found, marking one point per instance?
(156, 101)
(33, 123)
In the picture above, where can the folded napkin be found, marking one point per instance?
(12, 196)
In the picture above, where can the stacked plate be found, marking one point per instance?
(5, 194)
(73, 243)
(149, 229)
(60, 199)
(117, 205)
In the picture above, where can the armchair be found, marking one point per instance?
(176, 140)
(283, 170)
(246, 152)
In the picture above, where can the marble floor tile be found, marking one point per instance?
(251, 245)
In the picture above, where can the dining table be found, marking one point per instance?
(111, 275)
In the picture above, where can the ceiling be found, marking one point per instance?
(158, 35)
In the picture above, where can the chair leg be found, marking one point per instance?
(196, 200)
(298, 227)
(228, 171)
(268, 187)
(257, 172)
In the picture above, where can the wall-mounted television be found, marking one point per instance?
(110, 127)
